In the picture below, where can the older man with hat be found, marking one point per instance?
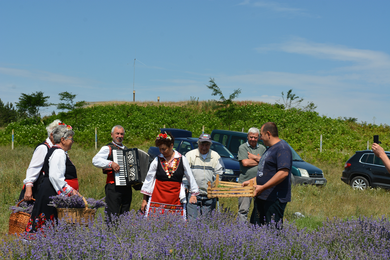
(205, 165)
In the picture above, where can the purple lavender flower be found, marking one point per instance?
(219, 236)
(75, 201)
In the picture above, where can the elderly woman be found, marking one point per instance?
(34, 176)
(163, 188)
(60, 177)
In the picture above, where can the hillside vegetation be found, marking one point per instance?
(142, 122)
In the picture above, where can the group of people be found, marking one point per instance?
(174, 183)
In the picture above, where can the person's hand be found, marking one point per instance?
(75, 192)
(193, 199)
(28, 194)
(143, 205)
(245, 183)
(377, 149)
(258, 190)
(252, 156)
(115, 167)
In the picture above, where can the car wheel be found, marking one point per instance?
(359, 183)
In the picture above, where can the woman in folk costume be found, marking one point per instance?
(34, 176)
(163, 187)
(60, 177)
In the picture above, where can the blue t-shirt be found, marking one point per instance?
(276, 157)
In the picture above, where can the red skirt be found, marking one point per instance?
(165, 198)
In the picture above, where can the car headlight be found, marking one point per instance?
(304, 172)
(229, 171)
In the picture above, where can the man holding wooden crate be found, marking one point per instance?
(205, 165)
(273, 179)
(249, 155)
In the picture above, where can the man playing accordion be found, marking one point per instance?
(118, 198)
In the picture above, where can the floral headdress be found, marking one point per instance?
(67, 126)
(164, 136)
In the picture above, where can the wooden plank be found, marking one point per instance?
(225, 189)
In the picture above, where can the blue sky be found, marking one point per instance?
(333, 53)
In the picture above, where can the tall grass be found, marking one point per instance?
(317, 204)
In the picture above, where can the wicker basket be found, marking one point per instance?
(225, 189)
(77, 215)
(18, 221)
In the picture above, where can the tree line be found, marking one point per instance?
(29, 105)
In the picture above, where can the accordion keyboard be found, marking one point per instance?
(120, 177)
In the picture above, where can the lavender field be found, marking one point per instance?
(217, 237)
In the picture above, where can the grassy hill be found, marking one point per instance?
(303, 130)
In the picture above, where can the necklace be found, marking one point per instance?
(169, 166)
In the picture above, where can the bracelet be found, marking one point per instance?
(29, 184)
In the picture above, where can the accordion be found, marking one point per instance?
(134, 165)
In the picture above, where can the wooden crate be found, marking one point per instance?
(226, 189)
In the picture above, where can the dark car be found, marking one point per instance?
(302, 172)
(186, 144)
(364, 170)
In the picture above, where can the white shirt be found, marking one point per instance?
(36, 162)
(100, 159)
(57, 167)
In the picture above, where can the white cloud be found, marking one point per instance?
(42, 76)
(276, 7)
(364, 59)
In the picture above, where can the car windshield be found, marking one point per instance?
(220, 149)
(295, 155)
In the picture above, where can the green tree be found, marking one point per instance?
(227, 109)
(290, 100)
(29, 104)
(216, 91)
(68, 101)
(8, 113)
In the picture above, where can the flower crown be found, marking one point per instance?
(163, 136)
(67, 126)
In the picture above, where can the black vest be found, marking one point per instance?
(177, 176)
(70, 170)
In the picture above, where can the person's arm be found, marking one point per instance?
(144, 203)
(380, 152)
(57, 168)
(194, 189)
(253, 160)
(34, 169)
(275, 180)
(100, 160)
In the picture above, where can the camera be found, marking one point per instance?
(376, 139)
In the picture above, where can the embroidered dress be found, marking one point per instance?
(164, 185)
(51, 186)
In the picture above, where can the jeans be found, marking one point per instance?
(203, 206)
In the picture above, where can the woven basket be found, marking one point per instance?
(18, 221)
(77, 215)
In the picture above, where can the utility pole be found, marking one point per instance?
(134, 81)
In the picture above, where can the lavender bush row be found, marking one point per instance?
(218, 237)
(75, 201)
(24, 206)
